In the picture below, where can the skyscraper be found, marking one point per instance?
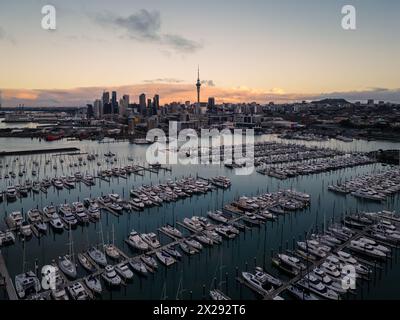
(114, 102)
(198, 86)
(142, 103)
(106, 97)
(156, 104)
(123, 105)
(98, 108)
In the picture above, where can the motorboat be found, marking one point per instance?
(124, 271)
(218, 295)
(195, 244)
(151, 240)
(94, 284)
(80, 212)
(111, 277)
(150, 261)
(35, 218)
(16, 219)
(264, 277)
(254, 282)
(187, 248)
(27, 284)
(25, 229)
(135, 241)
(112, 251)
(85, 263)
(173, 252)
(97, 256)
(301, 294)
(170, 230)
(139, 267)
(314, 285)
(165, 258)
(67, 266)
(78, 292)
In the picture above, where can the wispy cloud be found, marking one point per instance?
(146, 26)
(164, 80)
(4, 36)
(209, 83)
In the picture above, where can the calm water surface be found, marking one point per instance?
(253, 247)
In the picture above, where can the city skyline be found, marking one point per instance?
(246, 53)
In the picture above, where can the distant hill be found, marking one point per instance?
(331, 101)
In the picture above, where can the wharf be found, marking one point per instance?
(37, 151)
(12, 294)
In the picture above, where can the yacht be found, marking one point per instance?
(139, 267)
(217, 217)
(67, 216)
(35, 218)
(112, 251)
(254, 282)
(301, 294)
(366, 249)
(110, 276)
(80, 212)
(173, 252)
(50, 212)
(94, 284)
(264, 277)
(57, 224)
(85, 262)
(97, 256)
(195, 244)
(25, 229)
(218, 295)
(136, 242)
(16, 219)
(151, 240)
(11, 194)
(165, 258)
(67, 266)
(124, 271)
(150, 261)
(314, 285)
(187, 248)
(170, 230)
(78, 292)
(26, 284)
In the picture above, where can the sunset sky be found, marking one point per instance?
(247, 50)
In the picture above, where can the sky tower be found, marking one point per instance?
(198, 85)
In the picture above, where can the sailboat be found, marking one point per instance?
(110, 249)
(66, 263)
(26, 283)
(216, 293)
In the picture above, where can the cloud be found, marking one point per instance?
(164, 80)
(5, 36)
(209, 83)
(145, 25)
(178, 91)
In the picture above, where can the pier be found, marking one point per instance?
(12, 294)
(37, 151)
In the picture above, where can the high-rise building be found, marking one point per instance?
(198, 86)
(1, 99)
(98, 108)
(211, 104)
(114, 102)
(156, 104)
(123, 105)
(106, 97)
(142, 103)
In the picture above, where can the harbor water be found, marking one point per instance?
(192, 277)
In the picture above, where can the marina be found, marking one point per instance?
(247, 224)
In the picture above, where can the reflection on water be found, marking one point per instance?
(253, 247)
